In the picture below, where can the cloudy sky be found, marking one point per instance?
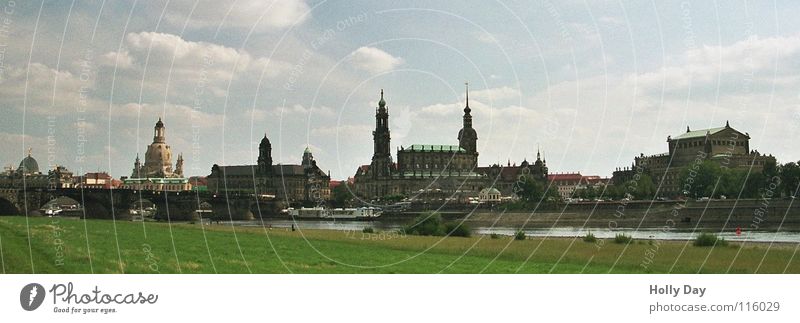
(592, 84)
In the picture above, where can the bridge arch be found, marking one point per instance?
(8, 207)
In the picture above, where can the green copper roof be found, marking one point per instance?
(446, 148)
(699, 133)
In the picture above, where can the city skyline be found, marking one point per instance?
(570, 78)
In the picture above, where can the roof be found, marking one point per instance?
(698, 133)
(250, 170)
(28, 165)
(98, 175)
(445, 148)
(505, 173)
(490, 190)
(565, 177)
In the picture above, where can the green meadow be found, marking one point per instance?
(68, 245)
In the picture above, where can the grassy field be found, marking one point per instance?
(60, 245)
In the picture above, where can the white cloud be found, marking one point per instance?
(122, 60)
(374, 60)
(746, 63)
(496, 94)
(243, 14)
(299, 109)
(611, 20)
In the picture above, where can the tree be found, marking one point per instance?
(531, 190)
(790, 178)
(701, 179)
(341, 195)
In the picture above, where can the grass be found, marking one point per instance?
(622, 239)
(62, 246)
(709, 240)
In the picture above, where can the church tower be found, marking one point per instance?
(382, 157)
(467, 136)
(159, 133)
(265, 156)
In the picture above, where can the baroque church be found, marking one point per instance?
(291, 183)
(157, 173)
(434, 172)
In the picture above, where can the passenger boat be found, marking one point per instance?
(362, 213)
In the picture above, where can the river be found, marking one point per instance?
(564, 232)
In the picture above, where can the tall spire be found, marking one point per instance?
(466, 108)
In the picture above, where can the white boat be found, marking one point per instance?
(339, 213)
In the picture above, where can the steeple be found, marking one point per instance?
(265, 155)
(467, 110)
(159, 133)
(382, 156)
(467, 136)
(179, 166)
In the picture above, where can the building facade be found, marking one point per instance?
(433, 172)
(567, 183)
(28, 176)
(725, 145)
(305, 182)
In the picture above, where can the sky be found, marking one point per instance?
(590, 84)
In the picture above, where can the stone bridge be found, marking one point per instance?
(116, 203)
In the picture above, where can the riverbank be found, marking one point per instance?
(60, 245)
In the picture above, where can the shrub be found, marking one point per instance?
(589, 237)
(427, 224)
(708, 240)
(368, 230)
(520, 235)
(458, 230)
(622, 238)
(494, 236)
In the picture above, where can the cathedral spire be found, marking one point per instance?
(466, 108)
(467, 136)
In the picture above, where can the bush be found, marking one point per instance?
(427, 224)
(589, 237)
(368, 230)
(622, 238)
(520, 235)
(458, 230)
(494, 236)
(708, 240)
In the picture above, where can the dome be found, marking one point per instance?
(265, 142)
(467, 133)
(28, 165)
(382, 103)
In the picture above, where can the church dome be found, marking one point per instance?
(265, 142)
(28, 165)
(467, 133)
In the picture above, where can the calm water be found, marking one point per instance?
(642, 233)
